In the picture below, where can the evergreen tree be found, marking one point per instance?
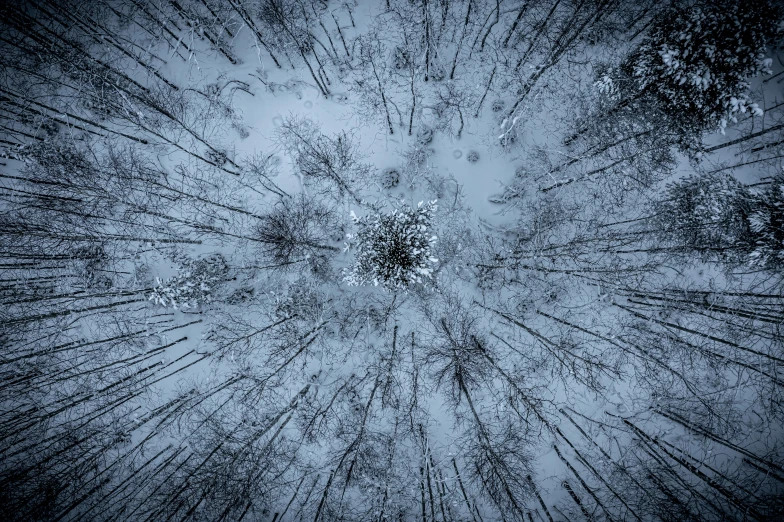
(706, 214)
(719, 217)
(394, 249)
(697, 60)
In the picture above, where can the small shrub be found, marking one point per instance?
(401, 59)
(218, 157)
(437, 73)
(417, 156)
(390, 178)
(240, 296)
(424, 135)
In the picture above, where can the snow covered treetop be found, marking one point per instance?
(698, 60)
(393, 250)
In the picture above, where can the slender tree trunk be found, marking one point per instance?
(512, 29)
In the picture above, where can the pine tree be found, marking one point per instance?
(706, 214)
(697, 60)
(394, 249)
(719, 217)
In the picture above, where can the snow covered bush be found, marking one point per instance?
(424, 135)
(193, 285)
(300, 299)
(389, 178)
(697, 60)
(393, 250)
